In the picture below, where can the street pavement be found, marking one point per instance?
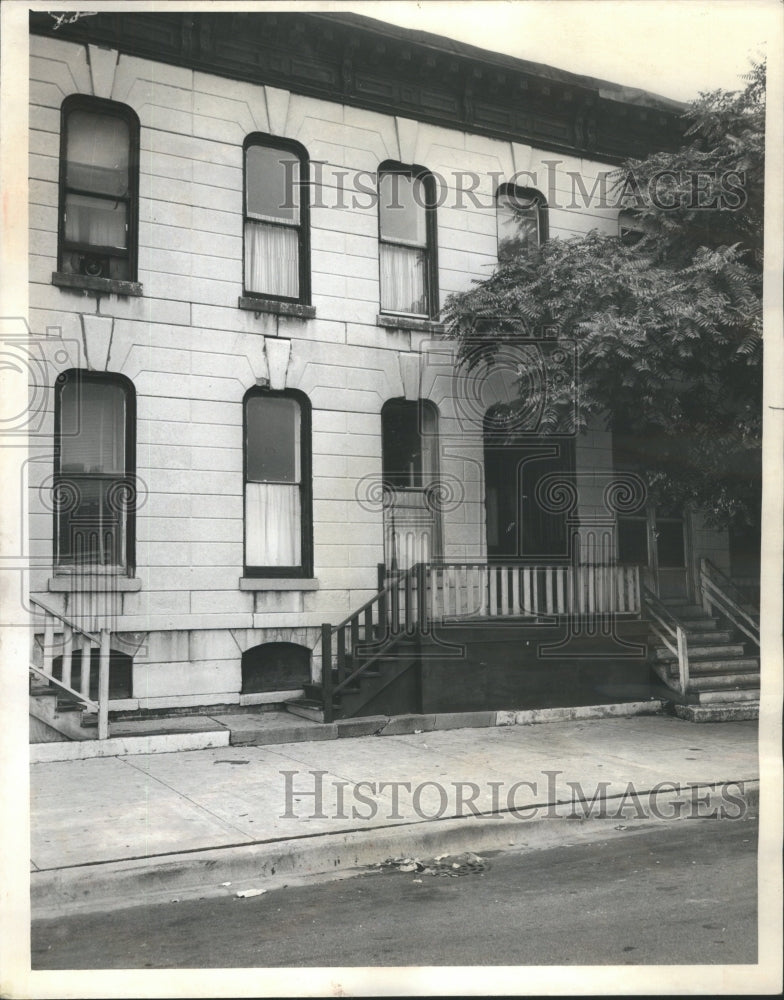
(111, 832)
(682, 895)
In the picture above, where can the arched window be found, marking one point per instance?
(276, 210)
(278, 529)
(521, 214)
(408, 266)
(99, 188)
(94, 492)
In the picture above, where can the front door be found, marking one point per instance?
(518, 524)
(657, 540)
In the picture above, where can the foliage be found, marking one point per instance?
(668, 330)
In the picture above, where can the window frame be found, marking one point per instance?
(114, 109)
(524, 192)
(81, 376)
(302, 227)
(432, 298)
(305, 569)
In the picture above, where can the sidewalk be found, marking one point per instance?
(115, 831)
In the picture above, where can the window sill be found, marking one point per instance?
(105, 286)
(94, 582)
(296, 309)
(278, 583)
(409, 323)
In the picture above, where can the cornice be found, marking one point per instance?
(369, 64)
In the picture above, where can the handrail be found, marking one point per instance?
(100, 640)
(61, 617)
(715, 595)
(91, 705)
(389, 619)
(672, 632)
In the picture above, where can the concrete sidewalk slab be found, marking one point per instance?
(220, 806)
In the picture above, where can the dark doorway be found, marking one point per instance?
(518, 524)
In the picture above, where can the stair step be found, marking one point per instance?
(720, 650)
(721, 697)
(42, 691)
(718, 682)
(720, 667)
(706, 636)
(739, 711)
(309, 709)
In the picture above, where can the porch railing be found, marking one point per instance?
(464, 590)
(409, 600)
(73, 638)
(670, 631)
(720, 594)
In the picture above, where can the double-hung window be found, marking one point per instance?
(407, 234)
(276, 220)
(94, 486)
(521, 215)
(99, 167)
(277, 484)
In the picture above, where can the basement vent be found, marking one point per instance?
(275, 666)
(120, 665)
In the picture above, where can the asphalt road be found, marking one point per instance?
(683, 893)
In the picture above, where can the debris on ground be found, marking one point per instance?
(445, 865)
(247, 893)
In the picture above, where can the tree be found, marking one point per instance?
(667, 324)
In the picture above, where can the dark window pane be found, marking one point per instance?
(408, 443)
(92, 427)
(97, 153)
(402, 212)
(670, 543)
(272, 184)
(632, 540)
(273, 439)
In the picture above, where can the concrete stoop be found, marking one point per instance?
(733, 711)
(147, 736)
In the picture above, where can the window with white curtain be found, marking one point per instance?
(277, 484)
(94, 470)
(276, 225)
(521, 215)
(98, 189)
(407, 241)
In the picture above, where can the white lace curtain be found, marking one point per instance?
(272, 524)
(403, 279)
(271, 259)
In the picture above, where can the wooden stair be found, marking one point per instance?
(724, 673)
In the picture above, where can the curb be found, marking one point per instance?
(214, 872)
(375, 725)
